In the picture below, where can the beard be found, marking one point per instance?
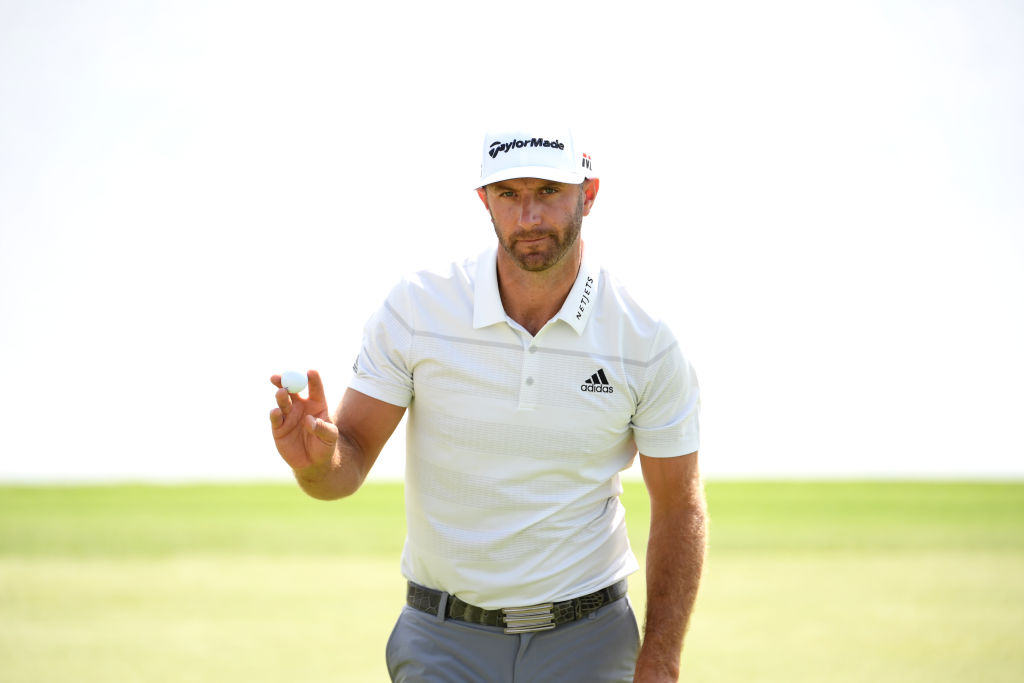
(548, 252)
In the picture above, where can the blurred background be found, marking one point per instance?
(823, 199)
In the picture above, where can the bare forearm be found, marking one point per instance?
(675, 558)
(339, 477)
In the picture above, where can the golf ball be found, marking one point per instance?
(293, 381)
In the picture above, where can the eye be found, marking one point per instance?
(507, 193)
(549, 190)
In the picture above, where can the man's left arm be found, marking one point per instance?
(675, 557)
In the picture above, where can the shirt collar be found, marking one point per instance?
(576, 311)
(579, 305)
(487, 308)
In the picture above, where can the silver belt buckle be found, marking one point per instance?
(529, 619)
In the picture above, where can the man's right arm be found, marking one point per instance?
(364, 424)
(331, 458)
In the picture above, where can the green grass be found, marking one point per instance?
(804, 582)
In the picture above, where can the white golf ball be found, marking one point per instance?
(293, 381)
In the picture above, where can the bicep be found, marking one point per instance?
(673, 483)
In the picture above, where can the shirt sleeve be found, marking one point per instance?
(383, 370)
(667, 418)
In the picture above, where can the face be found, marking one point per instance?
(537, 221)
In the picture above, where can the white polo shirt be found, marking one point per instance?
(515, 442)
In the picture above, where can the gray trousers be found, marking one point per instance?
(600, 647)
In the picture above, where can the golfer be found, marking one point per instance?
(532, 379)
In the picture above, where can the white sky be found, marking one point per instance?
(824, 199)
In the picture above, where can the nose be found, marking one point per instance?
(529, 213)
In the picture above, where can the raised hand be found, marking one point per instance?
(303, 432)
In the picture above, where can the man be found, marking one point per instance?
(531, 380)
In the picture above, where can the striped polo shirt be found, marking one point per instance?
(515, 442)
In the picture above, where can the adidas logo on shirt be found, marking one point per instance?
(598, 383)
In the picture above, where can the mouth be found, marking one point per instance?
(532, 239)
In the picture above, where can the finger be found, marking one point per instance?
(316, 386)
(276, 380)
(324, 430)
(284, 401)
(276, 418)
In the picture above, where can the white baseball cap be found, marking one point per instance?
(541, 152)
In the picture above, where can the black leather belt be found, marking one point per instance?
(540, 617)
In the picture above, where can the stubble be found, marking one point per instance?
(551, 251)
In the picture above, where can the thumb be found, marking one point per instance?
(324, 430)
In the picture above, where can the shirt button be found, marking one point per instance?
(533, 349)
(529, 381)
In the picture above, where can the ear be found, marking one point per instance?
(590, 188)
(482, 193)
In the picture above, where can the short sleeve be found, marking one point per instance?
(383, 369)
(667, 419)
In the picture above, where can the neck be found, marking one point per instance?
(533, 298)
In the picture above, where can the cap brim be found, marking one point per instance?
(544, 172)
